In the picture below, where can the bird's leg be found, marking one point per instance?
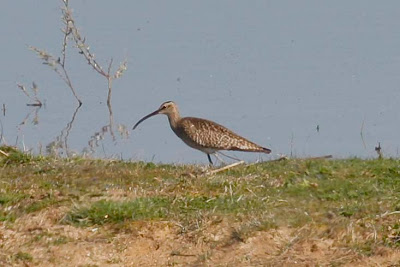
(228, 156)
(219, 158)
(209, 159)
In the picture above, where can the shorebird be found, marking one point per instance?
(204, 135)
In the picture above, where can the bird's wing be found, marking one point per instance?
(209, 134)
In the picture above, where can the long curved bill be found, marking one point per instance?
(145, 118)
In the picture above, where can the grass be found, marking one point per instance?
(152, 208)
(23, 256)
(341, 199)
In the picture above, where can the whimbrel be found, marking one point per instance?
(204, 135)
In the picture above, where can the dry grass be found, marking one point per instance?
(81, 212)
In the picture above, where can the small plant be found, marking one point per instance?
(102, 212)
(58, 64)
(23, 256)
(10, 156)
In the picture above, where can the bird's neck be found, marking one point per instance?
(173, 119)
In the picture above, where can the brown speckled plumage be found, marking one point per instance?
(207, 135)
(204, 135)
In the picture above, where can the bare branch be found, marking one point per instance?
(50, 60)
(66, 32)
(80, 42)
(23, 89)
(34, 97)
(109, 67)
(84, 49)
(35, 88)
(58, 64)
(224, 168)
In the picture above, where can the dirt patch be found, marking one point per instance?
(50, 243)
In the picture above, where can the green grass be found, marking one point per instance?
(154, 208)
(23, 256)
(10, 198)
(15, 157)
(329, 195)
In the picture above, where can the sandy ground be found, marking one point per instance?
(51, 243)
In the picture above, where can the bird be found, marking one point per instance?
(204, 135)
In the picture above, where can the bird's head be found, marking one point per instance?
(168, 108)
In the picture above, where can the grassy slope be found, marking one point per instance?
(350, 202)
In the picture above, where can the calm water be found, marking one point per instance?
(272, 71)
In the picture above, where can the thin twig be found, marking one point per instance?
(69, 83)
(68, 129)
(23, 89)
(109, 83)
(34, 98)
(61, 141)
(362, 133)
(59, 64)
(121, 69)
(1, 132)
(84, 50)
(389, 213)
(35, 119)
(177, 253)
(109, 79)
(282, 158)
(225, 155)
(109, 67)
(320, 157)
(291, 144)
(4, 153)
(111, 116)
(80, 43)
(50, 60)
(225, 168)
(66, 31)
